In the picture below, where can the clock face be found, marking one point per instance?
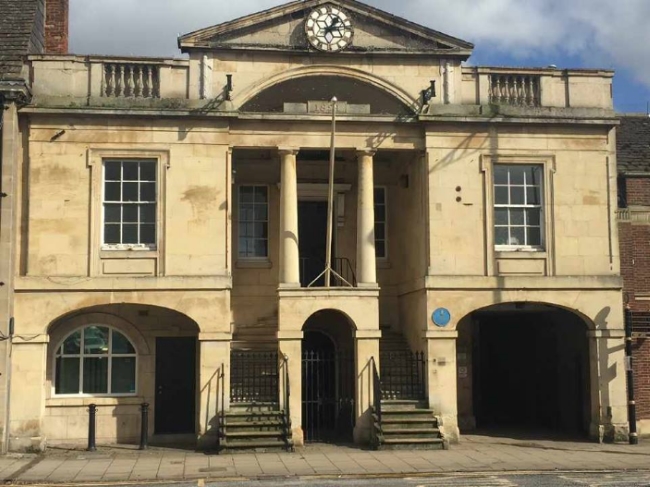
(329, 29)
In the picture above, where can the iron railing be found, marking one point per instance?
(253, 377)
(403, 375)
(328, 395)
(515, 89)
(310, 267)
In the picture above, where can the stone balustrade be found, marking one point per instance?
(131, 80)
(515, 89)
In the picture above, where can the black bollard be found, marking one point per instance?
(629, 370)
(144, 426)
(92, 411)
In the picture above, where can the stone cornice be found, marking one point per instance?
(15, 91)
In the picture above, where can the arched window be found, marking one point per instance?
(95, 360)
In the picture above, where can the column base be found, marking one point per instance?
(298, 436)
(609, 432)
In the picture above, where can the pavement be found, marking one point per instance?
(475, 454)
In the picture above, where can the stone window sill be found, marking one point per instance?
(99, 401)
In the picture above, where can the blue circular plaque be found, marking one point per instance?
(441, 317)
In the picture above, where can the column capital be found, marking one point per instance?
(288, 151)
(366, 152)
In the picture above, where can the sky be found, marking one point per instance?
(611, 34)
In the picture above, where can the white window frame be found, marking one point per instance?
(266, 257)
(515, 248)
(81, 356)
(156, 203)
(384, 189)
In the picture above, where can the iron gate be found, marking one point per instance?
(253, 377)
(327, 395)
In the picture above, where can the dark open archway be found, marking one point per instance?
(328, 382)
(523, 368)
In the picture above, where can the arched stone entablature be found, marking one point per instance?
(36, 313)
(600, 309)
(325, 70)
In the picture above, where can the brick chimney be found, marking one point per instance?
(56, 26)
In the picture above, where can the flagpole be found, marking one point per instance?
(330, 199)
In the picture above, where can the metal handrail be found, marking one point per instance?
(222, 421)
(377, 393)
(287, 392)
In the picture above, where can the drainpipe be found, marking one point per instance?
(631, 404)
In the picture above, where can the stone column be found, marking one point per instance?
(289, 253)
(290, 346)
(214, 384)
(609, 421)
(441, 380)
(366, 346)
(366, 264)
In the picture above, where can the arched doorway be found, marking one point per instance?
(328, 384)
(523, 368)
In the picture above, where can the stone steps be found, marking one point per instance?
(407, 424)
(259, 427)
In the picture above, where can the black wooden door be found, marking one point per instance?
(175, 385)
(312, 229)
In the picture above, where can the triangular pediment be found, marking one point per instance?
(283, 29)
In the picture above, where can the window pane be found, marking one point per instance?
(500, 174)
(148, 192)
(112, 234)
(95, 375)
(516, 217)
(516, 195)
(95, 340)
(112, 213)
(243, 247)
(501, 195)
(246, 194)
(260, 213)
(501, 216)
(130, 233)
(380, 213)
(112, 171)
(534, 236)
(517, 174)
(533, 217)
(501, 236)
(130, 192)
(147, 233)
(261, 230)
(261, 194)
(123, 375)
(533, 176)
(112, 192)
(250, 230)
(72, 344)
(121, 344)
(67, 376)
(380, 231)
(130, 213)
(533, 196)
(380, 196)
(261, 248)
(517, 236)
(130, 171)
(148, 213)
(380, 248)
(147, 171)
(247, 212)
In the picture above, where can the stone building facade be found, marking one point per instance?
(172, 220)
(633, 141)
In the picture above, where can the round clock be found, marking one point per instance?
(329, 28)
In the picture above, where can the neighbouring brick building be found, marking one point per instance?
(633, 145)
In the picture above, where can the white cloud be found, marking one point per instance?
(603, 32)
